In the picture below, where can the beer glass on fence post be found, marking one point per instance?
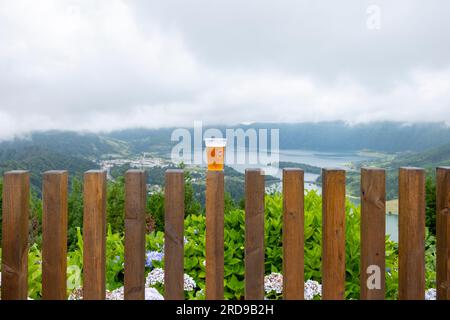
(215, 153)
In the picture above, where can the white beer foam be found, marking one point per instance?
(215, 142)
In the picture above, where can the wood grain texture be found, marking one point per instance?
(373, 230)
(16, 198)
(54, 235)
(214, 235)
(411, 222)
(254, 234)
(293, 234)
(135, 206)
(333, 234)
(443, 233)
(94, 235)
(174, 235)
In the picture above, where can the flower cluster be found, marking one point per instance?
(430, 294)
(189, 283)
(312, 289)
(156, 277)
(152, 294)
(273, 282)
(77, 294)
(117, 294)
(151, 256)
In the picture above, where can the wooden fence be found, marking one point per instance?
(411, 245)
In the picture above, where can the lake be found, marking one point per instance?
(334, 159)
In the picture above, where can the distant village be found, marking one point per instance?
(145, 162)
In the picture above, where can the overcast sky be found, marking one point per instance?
(111, 64)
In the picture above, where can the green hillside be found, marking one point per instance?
(85, 145)
(38, 160)
(429, 160)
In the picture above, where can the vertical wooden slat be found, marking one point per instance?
(174, 231)
(16, 197)
(94, 235)
(411, 247)
(373, 230)
(135, 206)
(214, 235)
(293, 234)
(254, 234)
(54, 235)
(443, 233)
(333, 234)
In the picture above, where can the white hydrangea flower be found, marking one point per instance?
(116, 294)
(156, 276)
(312, 289)
(76, 294)
(152, 294)
(189, 283)
(430, 294)
(273, 282)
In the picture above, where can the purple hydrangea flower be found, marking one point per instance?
(151, 256)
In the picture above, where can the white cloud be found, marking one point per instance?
(112, 64)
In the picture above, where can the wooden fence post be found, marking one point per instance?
(214, 235)
(293, 234)
(443, 233)
(373, 230)
(333, 234)
(174, 235)
(254, 234)
(16, 198)
(94, 235)
(135, 206)
(54, 235)
(411, 246)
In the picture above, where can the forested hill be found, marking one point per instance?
(320, 136)
(86, 145)
(377, 136)
(420, 144)
(38, 160)
(429, 160)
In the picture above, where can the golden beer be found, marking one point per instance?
(215, 153)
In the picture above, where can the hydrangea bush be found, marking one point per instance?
(194, 257)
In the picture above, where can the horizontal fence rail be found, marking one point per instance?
(411, 246)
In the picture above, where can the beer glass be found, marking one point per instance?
(215, 153)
